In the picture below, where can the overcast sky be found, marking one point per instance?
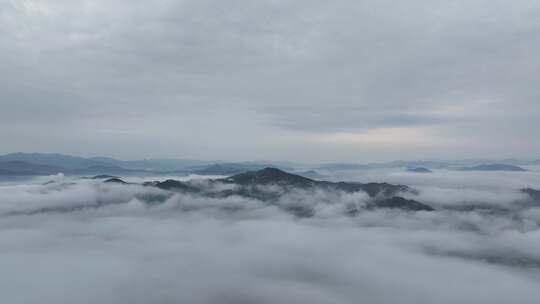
(283, 80)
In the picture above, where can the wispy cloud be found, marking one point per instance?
(89, 241)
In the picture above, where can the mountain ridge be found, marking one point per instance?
(494, 167)
(106, 165)
(258, 185)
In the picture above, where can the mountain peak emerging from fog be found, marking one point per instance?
(269, 176)
(419, 170)
(271, 184)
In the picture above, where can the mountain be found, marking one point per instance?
(397, 202)
(533, 193)
(115, 181)
(51, 159)
(400, 164)
(270, 184)
(493, 167)
(100, 164)
(46, 164)
(175, 185)
(7, 172)
(343, 167)
(273, 176)
(270, 176)
(17, 167)
(106, 165)
(419, 170)
(311, 174)
(101, 170)
(228, 168)
(155, 165)
(103, 176)
(437, 164)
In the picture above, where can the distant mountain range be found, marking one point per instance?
(229, 168)
(50, 163)
(493, 167)
(431, 164)
(18, 167)
(419, 170)
(74, 162)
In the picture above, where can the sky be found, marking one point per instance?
(317, 81)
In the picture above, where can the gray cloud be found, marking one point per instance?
(121, 246)
(277, 72)
(323, 119)
(452, 187)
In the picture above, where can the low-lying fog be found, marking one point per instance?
(84, 241)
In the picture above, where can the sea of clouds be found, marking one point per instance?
(84, 241)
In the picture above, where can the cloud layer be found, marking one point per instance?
(84, 241)
(190, 78)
